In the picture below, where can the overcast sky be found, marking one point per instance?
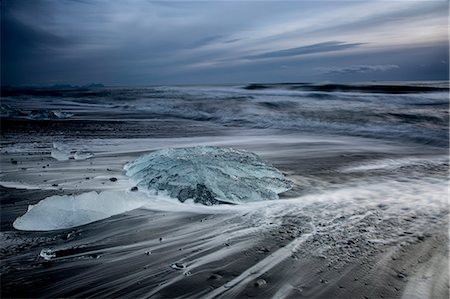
(131, 42)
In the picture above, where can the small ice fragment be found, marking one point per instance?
(260, 282)
(47, 254)
(79, 155)
(69, 235)
(61, 152)
(8, 111)
(62, 114)
(60, 155)
(48, 114)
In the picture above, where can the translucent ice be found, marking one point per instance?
(208, 175)
(59, 212)
(79, 155)
(8, 111)
(48, 114)
(63, 152)
(47, 254)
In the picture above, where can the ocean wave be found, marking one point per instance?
(419, 114)
(372, 88)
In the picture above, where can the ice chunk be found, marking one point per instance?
(60, 155)
(208, 175)
(8, 111)
(59, 212)
(63, 152)
(62, 114)
(48, 114)
(44, 114)
(79, 155)
(47, 254)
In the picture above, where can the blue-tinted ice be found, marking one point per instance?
(208, 175)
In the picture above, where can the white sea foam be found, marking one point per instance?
(19, 185)
(390, 164)
(59, 212)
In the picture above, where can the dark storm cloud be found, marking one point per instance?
(310, 49)
(159, 42)
(18, 36)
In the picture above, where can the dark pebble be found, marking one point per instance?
(215, 277)
(178, 266)
(113, 179)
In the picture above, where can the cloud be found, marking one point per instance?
(357, 69)
(330, 46)
(159, 42)
(205, 41)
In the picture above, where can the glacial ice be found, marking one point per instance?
(79, 155)
(47, 254)
(208, 175)
(59, 212)
(8, 111)
(48, 114)
(63, 152)
(60, 152)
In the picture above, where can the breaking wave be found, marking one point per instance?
(414, 113)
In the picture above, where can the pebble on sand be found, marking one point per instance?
(260, 282)
(178, 266)
(215, 276)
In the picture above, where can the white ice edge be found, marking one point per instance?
(65, 211)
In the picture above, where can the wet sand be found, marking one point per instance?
(336, 234)
(133, 255)
(304, 245)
